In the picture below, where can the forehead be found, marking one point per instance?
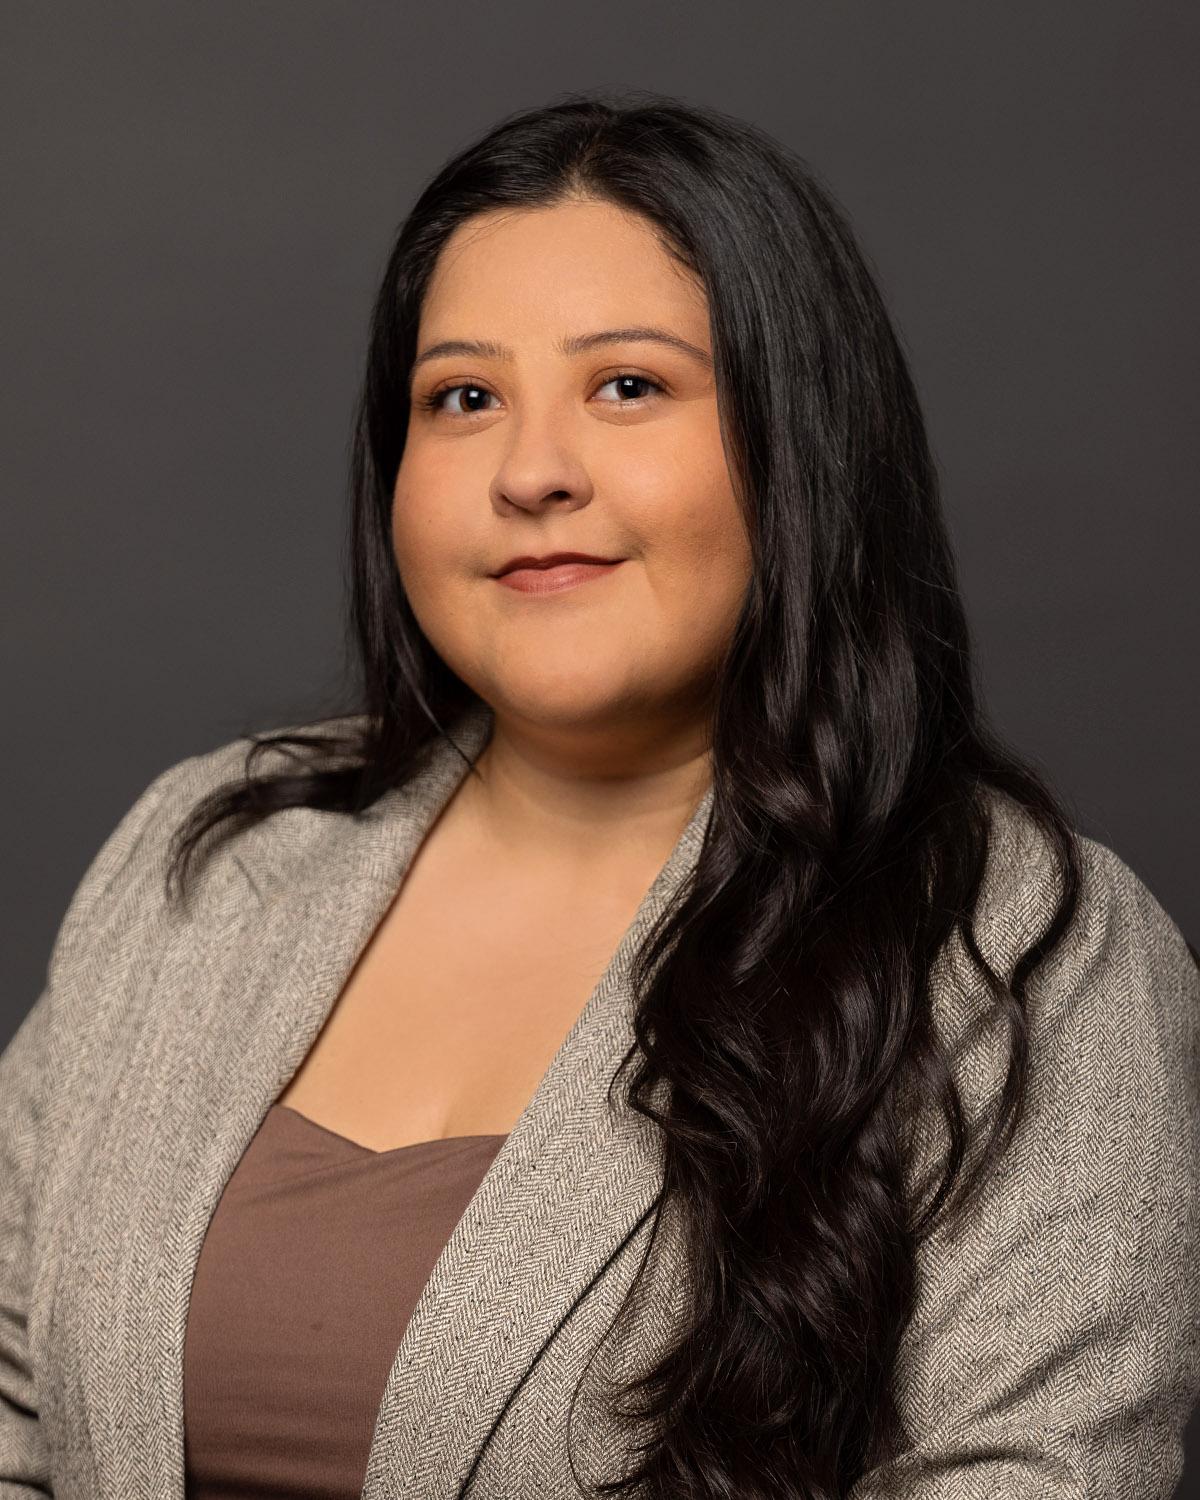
(568, 265)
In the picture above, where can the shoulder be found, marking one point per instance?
(1119, 926)
(119, 924)
(1053, 1327)
(122, 887)
(1102, 1173)
(1113, 1010)
(1114, 1005)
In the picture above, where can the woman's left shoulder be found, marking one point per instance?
(1055, 1325)
(1121, 935)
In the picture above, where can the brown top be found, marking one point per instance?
(309, 1272)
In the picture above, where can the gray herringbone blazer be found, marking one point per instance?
(1055, 1352)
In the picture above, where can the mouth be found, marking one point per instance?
(556, 578)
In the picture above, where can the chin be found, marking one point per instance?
(565, 706)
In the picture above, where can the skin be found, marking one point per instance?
(601, 694)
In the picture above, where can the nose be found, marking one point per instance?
(538, 472)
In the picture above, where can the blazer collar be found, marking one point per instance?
(245, 990)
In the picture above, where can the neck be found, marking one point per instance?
(569, 798)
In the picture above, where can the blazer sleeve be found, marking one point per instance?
(1055, 1351)
(28, 1111)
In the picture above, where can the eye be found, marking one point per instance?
(636, 380)
(434, 401)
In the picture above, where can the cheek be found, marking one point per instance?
(424, 543)
(418, 553)
(696, 570)
(711, 577)
(410, 529)
(704, 548)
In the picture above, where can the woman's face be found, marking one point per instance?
(610, 447)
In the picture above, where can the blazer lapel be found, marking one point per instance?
(237, 1001)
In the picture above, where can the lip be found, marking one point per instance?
(551, 560)
(557, 577)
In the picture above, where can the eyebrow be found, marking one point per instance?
(572, 344)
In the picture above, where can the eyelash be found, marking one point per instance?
(432, 402)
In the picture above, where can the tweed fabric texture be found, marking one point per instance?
(1056, 1347)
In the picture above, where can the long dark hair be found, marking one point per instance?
(855, 785)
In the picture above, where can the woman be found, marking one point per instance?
(663, 1044)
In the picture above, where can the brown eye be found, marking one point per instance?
(626, 381)
(433, 402)
(631, 387)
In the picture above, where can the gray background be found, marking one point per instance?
(199, 199)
